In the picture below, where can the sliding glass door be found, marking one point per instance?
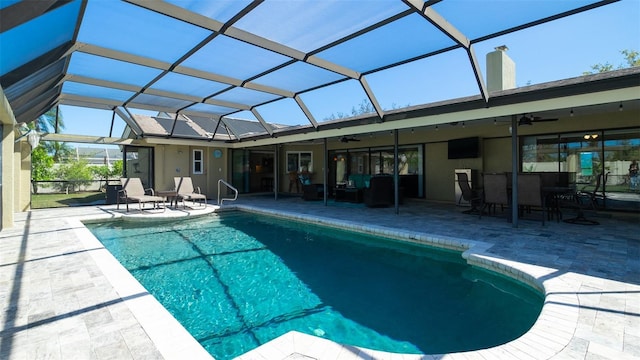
(138, 163)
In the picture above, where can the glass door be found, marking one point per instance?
(621, 156)
(138, 163)
(240, 168)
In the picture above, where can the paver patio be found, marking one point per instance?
(63, 296)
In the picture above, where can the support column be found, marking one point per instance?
(6, 163)
(514, 171)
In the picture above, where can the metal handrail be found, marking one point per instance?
(230, 187)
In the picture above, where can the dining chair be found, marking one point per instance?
(495, 192)
(470, 195)
(530, 193)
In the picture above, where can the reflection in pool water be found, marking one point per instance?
(238, 280)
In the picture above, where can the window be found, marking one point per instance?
(299, 161)
(198, 162)
(585, 155)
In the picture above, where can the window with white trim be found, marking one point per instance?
(299, 161)
(198, 162)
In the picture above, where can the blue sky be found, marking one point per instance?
(560, 49)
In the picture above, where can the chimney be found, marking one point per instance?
(501, 70)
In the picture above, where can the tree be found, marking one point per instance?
(631, 58)
(104, 172)
(365, 107)
(47, 121)
(41, 166)
(77, 172)
(60, 151)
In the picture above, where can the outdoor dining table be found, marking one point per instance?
(566, 196)
(555, 195)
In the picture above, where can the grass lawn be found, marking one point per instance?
(42, 201)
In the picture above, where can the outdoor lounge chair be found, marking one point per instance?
(186, 191)
(133, 191)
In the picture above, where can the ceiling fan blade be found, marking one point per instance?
(346, 139)
(529, 120)
(525, 121)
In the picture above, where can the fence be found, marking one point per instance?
(69, 186)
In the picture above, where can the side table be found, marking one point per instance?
(171, 196)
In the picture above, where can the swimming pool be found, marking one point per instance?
(238, 280)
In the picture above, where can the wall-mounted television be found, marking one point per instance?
(464, 148)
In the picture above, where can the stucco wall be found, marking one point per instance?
(22, 176)
(177, 160)
(6, 194)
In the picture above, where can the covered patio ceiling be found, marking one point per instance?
(273, 63)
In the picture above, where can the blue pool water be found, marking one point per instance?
(238, 280)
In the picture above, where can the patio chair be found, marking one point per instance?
(530, 193)
(584, 199)
(470, 195)
(186, 191)
(495, 192)
(294, 181)
(592, 197)
(133, 191)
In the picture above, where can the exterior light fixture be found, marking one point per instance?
(620, 108)
(571, 113)
(436, 127)
(590, 136)
(33, 138)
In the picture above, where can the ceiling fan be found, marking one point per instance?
(346, 139)
(530, 119)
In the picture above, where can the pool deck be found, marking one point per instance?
(63, 296)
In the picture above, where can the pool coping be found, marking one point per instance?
(550, 334)
(171, 339)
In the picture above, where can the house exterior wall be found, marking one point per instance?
(170, 161)
(177, 160)
(22, 176)
(199, 180)
(216, 168)
(7, 185)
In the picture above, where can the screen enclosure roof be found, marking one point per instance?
(280, 65)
